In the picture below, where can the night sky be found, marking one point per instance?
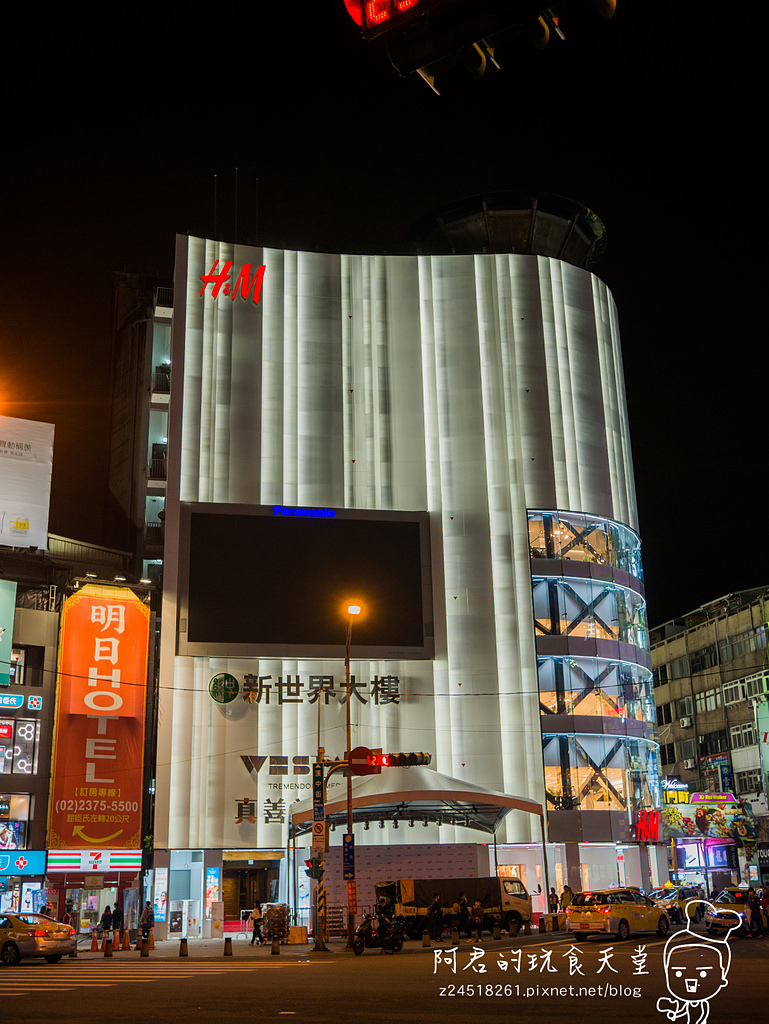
(117, 127)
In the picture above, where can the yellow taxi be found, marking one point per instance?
(728, 910)
(614, 912)
(28, 935)
(673, 900)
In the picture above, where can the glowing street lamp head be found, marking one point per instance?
(353, 609)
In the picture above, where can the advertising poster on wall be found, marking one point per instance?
(7, 615)
(96, 785)
(212, 889)
(710, 820)
(26, 463)
(160, 899)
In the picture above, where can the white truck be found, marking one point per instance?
(505, 901)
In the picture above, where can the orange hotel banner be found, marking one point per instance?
(96, 785)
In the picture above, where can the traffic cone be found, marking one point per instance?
(138, 946)
(94, 943)
(152, 938)
(126, 940)
(104, 942)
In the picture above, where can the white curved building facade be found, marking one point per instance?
(488, 391)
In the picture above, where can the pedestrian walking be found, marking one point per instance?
(463, 915)
(117, 923)
(553, 900)
(476, 920)
(105, 924)
(755, 922)
(147, 921)
(255, 920)
(566, 896)
(435, 917)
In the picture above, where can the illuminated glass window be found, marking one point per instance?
(588, 608)
(601, 773)
(576, 536)
(19, 740)
(595, 686)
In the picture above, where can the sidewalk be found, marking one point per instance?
(214, 949)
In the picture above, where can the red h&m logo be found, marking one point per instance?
(245, 283)
(648, 827)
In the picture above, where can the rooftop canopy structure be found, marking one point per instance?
(417, 794)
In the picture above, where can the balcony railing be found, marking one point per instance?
(154, 532)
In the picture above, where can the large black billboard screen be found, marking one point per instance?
(275, 581)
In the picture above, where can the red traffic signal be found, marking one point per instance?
(359, 761)
(375, 16)
(315, 867)
(400, 760)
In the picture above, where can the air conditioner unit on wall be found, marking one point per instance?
(685, 723)
(690, 763)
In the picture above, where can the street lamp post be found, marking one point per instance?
(352, 610)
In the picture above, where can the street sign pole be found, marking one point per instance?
(319, 848)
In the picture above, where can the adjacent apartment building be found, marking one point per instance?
(711, 681)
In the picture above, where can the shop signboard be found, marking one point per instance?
(89, 861)
(711, 819)
(26, 462)
(22, 862)
(674, 791)
(7, 615)
(717, 771)
(96, 777)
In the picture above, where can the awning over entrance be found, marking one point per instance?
(417, 794)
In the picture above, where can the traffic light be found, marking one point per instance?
(377, 16)
(399, 760)
(314, 867)
(446, 39)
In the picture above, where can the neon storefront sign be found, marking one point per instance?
(245, 285)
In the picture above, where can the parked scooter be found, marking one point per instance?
(390, 938)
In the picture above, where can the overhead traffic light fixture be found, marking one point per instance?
(435, 38)
(377, 16)
(314, 867)
(399, 760)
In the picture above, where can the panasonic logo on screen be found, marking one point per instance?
(316, 513)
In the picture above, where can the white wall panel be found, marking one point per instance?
(474, 387)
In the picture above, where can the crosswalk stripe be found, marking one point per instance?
(95, 974)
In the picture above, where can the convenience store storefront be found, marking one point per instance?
(84, 882)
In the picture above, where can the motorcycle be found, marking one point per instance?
(389, 939)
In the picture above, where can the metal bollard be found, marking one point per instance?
(454, 936)
(527, 928)
(108, 947)
(145, 948)
(183, 947)
(543, 923)
(227, 946)
(497, 932)
(426, 939)
(275, 947)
